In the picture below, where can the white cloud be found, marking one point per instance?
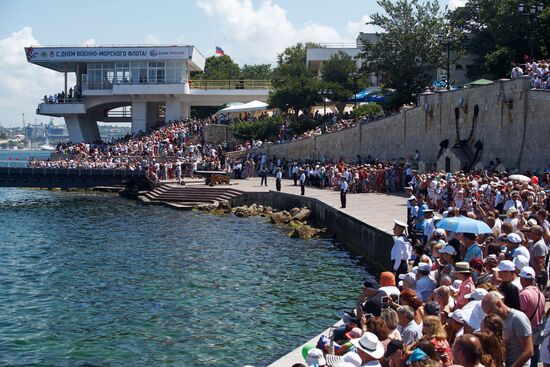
(151, 39)
(22, 84)
(362, 26)
(453, 4)
(264, 30)
(90, 42)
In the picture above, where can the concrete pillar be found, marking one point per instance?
(152, 114)
(186, 110)
(139, 117)
(174, 110)
(82, 128)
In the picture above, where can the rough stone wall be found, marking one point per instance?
(512, 124)
(215, 134)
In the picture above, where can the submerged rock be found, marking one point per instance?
(304, 231)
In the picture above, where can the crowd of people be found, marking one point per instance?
(73, 94)
(328, 123)
(168, 151)
(456, 295)
(538, 71)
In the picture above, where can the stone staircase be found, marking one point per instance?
(187, 197)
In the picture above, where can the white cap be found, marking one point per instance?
(477, 294)
(527, 272)
(514, 238)
(521, 250)
(315, 356)
(520, 262)
(505, 265)
(440, 231)
(399, 223)
(457, 315)
(448, 249)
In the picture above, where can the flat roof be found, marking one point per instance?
(64, 58)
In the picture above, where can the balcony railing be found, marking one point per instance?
(229, 84)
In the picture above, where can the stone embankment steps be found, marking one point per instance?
(190, 195)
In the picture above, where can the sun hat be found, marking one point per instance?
(387, 279)
(505, 265)
(456, 285)
(477, 294)
(527, 272)
(512, 210)
(370, 344)
(350, 358)
(315, 357)
(440, 232)
(462, 267)
(520, 262)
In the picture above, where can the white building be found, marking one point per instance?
(150, 79)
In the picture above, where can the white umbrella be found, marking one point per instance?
(521, 178)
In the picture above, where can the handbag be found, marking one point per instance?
(538, 333)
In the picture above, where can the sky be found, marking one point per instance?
(250, 31)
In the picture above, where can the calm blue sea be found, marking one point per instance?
(19, 158)
(96, 280)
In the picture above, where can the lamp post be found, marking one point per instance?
(324, 93)
(353, 74)
(448, 40)
(205, 78)
(532, 12)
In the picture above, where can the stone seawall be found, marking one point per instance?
(361, 238)
(511, 123)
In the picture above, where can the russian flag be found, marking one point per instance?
(219, 51)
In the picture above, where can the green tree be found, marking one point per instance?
(220, 68)
(256, 72)
(407, 50)
(368, 108)
(499, 36)
(267, 128)
(294, 86)
(339, 75)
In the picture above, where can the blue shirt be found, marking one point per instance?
(421, 210)
(472, 252)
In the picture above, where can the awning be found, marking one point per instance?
(480, 82)
(246, 107)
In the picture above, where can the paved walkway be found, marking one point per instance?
(376, 210)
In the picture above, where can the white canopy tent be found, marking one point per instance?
(246, 107)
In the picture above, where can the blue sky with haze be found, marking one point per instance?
(249, 31)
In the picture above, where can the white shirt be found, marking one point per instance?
(510, 203)
(344, 185)
(303, 178)
(400, 251)
(279, 175)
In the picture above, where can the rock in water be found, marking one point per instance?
(283, 217)
(304, 231)
(224, 206)
(303, 215)
(294, 211)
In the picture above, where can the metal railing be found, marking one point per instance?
(229, 84)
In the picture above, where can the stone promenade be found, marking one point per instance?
(377, 210)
